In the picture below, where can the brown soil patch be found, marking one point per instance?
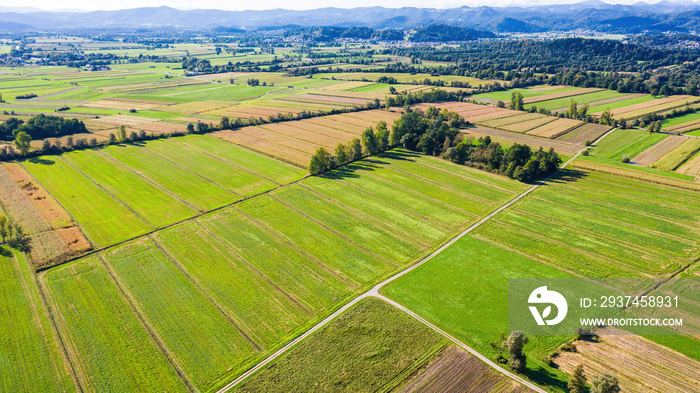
(583, 133)
(555, 128)
(47, 206)
(455, 371)
(74, 239)
(652, 154)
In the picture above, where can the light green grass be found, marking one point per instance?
(625, 143)
(234, 179)
(152, 203)
(505, 95)
(619, 104)
(113, 347)
(105, 219)
(265, 166)
(206, 342)
(31, 360)
(192, 188)
(260, 309)
(364, 350)
(464, 291)
(322, 244)
(581, 99)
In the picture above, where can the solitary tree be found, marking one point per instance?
(1, 100)
(605, 383)
(382, 136)
(112, 139)
(514, 346)
(516, 101)
(320, 161)
(606, 118)
(190, 128)
(23, 142)
(577, 383)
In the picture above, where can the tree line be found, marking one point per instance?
(437, 133)
(41, 126)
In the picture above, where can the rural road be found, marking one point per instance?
(374, 292)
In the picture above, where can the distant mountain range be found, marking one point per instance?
(590, 15)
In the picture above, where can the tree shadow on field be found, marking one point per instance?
(5, 252)
(400, 154)
(568, 176)
(41, 161)
(542, 376)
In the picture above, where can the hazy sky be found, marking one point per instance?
(268, 4)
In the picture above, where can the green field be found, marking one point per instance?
(625, 143)
(464, 292)
(104, 219)
(599, 225)
(371, 347)
(187, 185)
(114, 351)
(206, 342)
(562, 103)
(505, 95)
(619, 104)
(155, 205)
(31, 358)
(266, 167)
(679, 155)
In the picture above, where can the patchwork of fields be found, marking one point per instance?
(256, 274)
(122, 191)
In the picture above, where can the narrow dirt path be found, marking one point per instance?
(374, 292)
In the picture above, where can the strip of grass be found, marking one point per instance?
(259, 308)
(359, 230)
(619, 104)
(363, 350)
(327, 247)
(114, 348)
(105, 219)
(31, 360)
(627, 143)
(153, 204)
(312, 284)
(639, 168)
(580, 100)
(234, 179)
(188, 186)
(207, 344)
(265, 166)
(527, 93)
(679, 155)
(464, 291)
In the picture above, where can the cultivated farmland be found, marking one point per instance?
(296, 142)
(454, 370)
(254, 275)
(628, 357)
(370, 347)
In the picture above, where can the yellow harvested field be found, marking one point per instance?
(517, 117)
(507, 138)
(635, 174)
(555, 128)
(692, 166)
(525, 126)
(654, 153)
(583, 133)
(119, 120)
(684, 127)
(628, 358)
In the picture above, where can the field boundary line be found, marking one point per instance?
(103, 188)
(136, 308)
(374, 292)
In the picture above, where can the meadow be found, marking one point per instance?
(32, 358)
(371, 347)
